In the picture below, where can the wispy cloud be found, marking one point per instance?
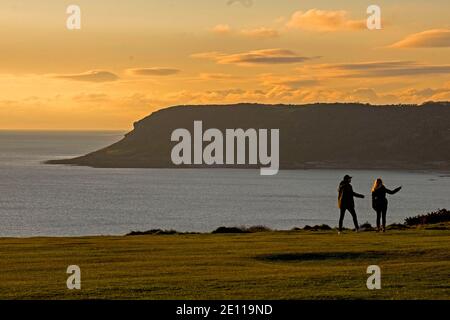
(379, 69)
(216, 76)
(91, 97)
(245, 3)
(90, 76)
(261, 32)
(292, 82)
(297, 83)
(222, 29)
(256, 57)
(435, 38)
(128, 102)
(155, 71)
(257, 33)
(323, 20)
(286, 94)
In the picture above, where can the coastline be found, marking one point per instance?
(315, 166)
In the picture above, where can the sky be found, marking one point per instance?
(130, 58)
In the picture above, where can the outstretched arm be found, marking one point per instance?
(393, 191)
(357, 195)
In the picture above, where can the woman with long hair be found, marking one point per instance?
(379, 201)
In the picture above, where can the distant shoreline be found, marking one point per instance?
(323, 166)
(242, 230)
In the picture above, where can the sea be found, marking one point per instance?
(37, 199)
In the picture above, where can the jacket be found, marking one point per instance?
(379, 200)
(346, 194)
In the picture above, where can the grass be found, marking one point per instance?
(415, 264)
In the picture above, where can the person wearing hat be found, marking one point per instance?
(346, 201)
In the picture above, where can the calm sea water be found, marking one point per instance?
(38, 199)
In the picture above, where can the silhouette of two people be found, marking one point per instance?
(346, 202)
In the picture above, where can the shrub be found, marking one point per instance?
(322, 227)
(252, 229)
(397, 226)
(366, 227)
(442, 215)
(230, 230)
(153, 231)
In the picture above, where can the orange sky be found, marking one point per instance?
(133, 57)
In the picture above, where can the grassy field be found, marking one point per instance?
(415, 264)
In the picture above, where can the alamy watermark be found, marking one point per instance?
(73, 21)
(374, 20)
(189, 150)
(74, 280)
(374, 280)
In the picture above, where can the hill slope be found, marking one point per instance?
(311, 136)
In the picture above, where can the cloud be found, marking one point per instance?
(261, 32)
(211, 55)
(269, 95)
(381, 69)
(245, 3)
(91, 97)
(365, 95)
(91, 76)
(323, 20)
(117, 102)
(298, 83)
(284, 94)
(153, 71)
(256, 57)
(426, 94)
(257, 33)
(216, 76)
(435, 38)
(287, 81)
(374, 65)
(222, 29)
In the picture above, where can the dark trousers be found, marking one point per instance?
(381, 214)
(353, 213)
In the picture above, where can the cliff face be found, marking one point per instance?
(319, 135)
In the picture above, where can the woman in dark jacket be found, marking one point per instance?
(379, 201)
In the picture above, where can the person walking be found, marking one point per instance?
(346, 201)
(380, 202)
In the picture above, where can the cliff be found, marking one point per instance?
(311, 136)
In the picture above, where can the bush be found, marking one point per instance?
(230, 230)
(366, 227)
(153, 231)
(253, 229)
(322, 227)
(397, 226)
(442, 215)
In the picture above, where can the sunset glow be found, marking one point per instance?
(133, 57)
